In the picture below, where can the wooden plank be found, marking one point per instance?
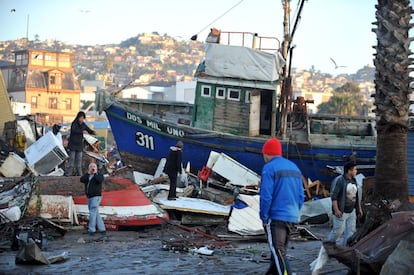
(216, 195)
(194, 205)
(202, 219)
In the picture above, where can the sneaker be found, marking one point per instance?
(171, 199)
(88, 233)
(102, 232)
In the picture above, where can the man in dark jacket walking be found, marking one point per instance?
(75, 144)
(173, 168)
(93, 191)
(345, 205)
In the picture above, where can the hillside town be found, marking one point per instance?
(149, 66)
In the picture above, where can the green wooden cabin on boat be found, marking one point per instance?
(236, 88)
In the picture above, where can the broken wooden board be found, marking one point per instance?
(218, 196)
(189, 218)
(53, 207)
(194, 205)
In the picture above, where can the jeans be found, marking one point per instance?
(75, 159)
(345, 225)
(277, 236)
(95, 220)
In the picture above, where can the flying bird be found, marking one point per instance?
(13, 10)
(85, 11)
(336, 66)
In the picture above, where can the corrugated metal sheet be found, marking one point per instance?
(410, 162)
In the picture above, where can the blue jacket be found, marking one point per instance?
(281, 191)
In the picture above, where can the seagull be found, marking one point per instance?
(336, 66)
(85, 11)
(13, 10)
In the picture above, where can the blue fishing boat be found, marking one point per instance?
(238, 106)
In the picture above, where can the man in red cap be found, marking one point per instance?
(281, 197)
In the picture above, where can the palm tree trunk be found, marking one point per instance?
(390, 184)
(392, 98)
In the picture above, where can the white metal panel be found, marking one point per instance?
(235, 172)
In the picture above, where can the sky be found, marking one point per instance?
(337, 29)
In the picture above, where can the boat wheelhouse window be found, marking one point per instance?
(206, 91)
(233, 94)
(221, 92)
(247, 97)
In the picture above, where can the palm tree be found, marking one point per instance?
(392, 85)
(392, 80)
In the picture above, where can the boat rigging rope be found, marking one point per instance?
(212, 22)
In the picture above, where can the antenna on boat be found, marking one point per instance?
(123, 87)
(194, 37)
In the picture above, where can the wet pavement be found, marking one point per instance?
(143, 252)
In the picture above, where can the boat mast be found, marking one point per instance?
(286, 93)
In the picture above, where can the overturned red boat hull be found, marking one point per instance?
(123, 202)
(124, 207)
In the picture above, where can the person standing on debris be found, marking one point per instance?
(281, 197)
(345, 205)
(93, 190)
(173, 168)
(75, 144)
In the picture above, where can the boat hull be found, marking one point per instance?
(128, 206)
(143, 140)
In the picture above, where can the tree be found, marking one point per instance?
(346, 100)
(108, 63)
(392, 89)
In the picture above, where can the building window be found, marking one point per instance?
(33, 103)
(37, 56)
(64, 58)
(50, 57)
(221, 92)
(18, 60)
(233, 94)
(22, 59)
(206, 91)
(53, 103)
(55, 79)
(68, 104)
(247, 97)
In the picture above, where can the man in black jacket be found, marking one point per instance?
(75, 144)
(93, 191)
(345, 205)
(173, 168)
